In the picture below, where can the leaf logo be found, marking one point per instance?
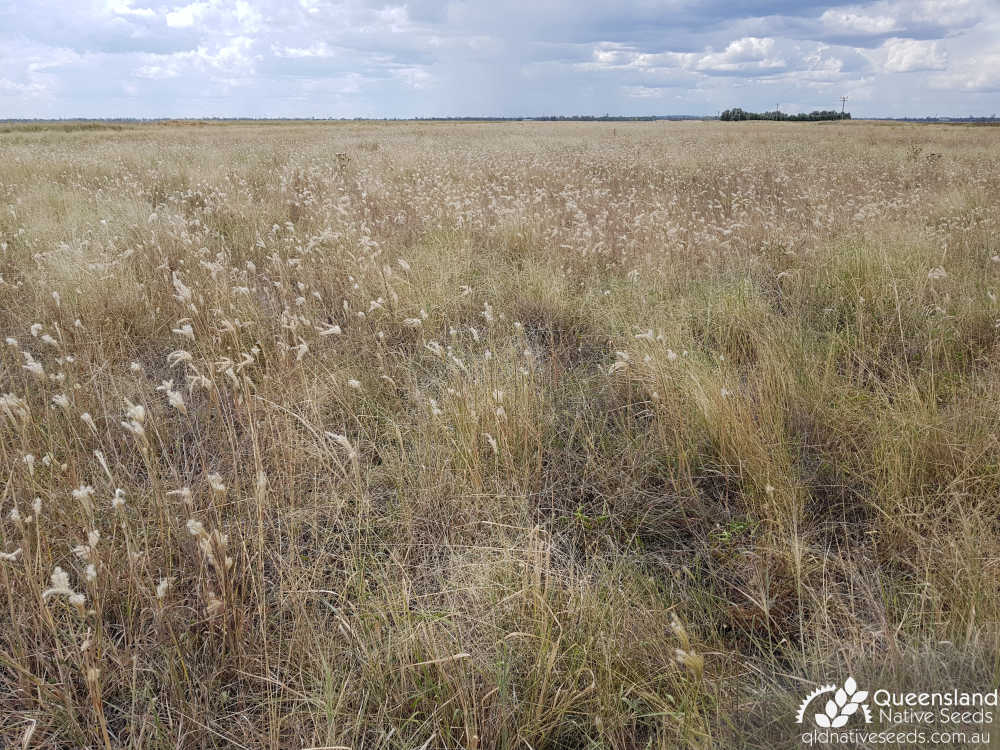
(840, 708)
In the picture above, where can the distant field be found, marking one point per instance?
(519, 435)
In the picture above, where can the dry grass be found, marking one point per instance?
(434, 435)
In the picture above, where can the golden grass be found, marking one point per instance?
(489, 436)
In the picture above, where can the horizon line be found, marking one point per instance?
(425, 118)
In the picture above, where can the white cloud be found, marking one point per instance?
(186, 16)
(749, 53)
(857, 22)
(745, 55)
(644, 92)
(906, 55)
(948, 14)
(981, 74)
(415, 78)
(249, 18)
(124, 8)
(318, 49)
(34, 88)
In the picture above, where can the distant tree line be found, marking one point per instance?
(736, 114)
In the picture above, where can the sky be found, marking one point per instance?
(369, 58)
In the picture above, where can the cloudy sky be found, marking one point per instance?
(398, 58)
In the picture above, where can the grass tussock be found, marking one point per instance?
(485, 437)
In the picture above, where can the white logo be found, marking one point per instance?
(844, 704)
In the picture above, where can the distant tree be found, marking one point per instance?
(737, 114)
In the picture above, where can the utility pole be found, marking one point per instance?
(843, 105)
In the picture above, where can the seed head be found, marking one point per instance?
(60, 584)
(174, 398)
(163, 586)
(344, 443)
(33, 366)
(178, 356)
(215, 482)
(136, 412)
(184, 493)
(492, 442)
(83, 495)
(14, 408)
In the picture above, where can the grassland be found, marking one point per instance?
(492, 436)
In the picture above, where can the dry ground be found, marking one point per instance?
(491, 436)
